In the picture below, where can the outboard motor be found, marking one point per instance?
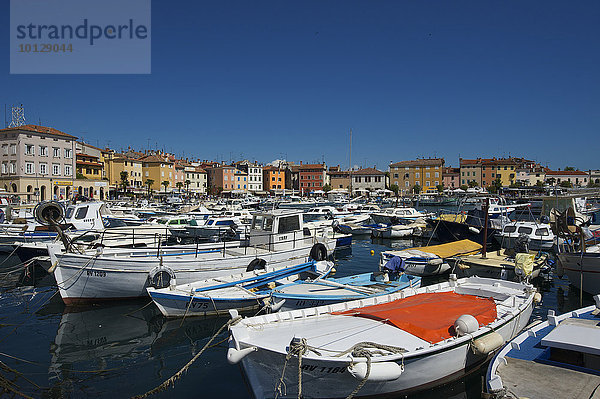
(522, 244)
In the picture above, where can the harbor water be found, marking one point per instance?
(126, 348)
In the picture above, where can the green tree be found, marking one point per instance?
(124, 180)
(395, 189)
(497, 183)
(149, 183)
(326, 188)
(565, 184)
(473, 184)
(166, 184)
(416, 189)
(569, 168)
(179, 185)
(187, 186)
(551, 181)
(440, 188)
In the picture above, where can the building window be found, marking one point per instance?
(417, 175)
(68, 153)
(4, 170)
(5, 149)
(437, 174)
(427, 174)
(29, 149)
(406, 184)
(29, 168)
(43, 168)
(43, 151)
(55, 169)
(68, 171)
(13, 149)
(56, 152)
(12, 168)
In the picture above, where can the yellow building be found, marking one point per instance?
(159, 169)
(427, 173)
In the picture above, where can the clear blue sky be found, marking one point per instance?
(271, 79)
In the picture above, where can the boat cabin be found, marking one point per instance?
(278, 230)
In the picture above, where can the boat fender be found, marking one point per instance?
(474, 230)
(465, 324)
(537, 297)
(487, 344)
(380, 371)
(257, 263)
(435, 261)
(318, 252)
(235, 355)
(161, 277)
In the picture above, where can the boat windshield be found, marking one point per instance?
(542, 232)
(525, 230)
(510, 229)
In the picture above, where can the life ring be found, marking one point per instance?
(256, 263)
(318, 252)
(161, 277)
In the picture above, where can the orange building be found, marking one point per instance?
(273, 178)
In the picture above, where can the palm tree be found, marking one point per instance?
(124, 180)
(179, 185)
(149, 183)
(187, 186)
(166, 184)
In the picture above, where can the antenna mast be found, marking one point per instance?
(18, 116)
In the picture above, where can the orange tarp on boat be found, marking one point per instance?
(429, 316)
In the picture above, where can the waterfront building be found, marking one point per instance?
(485, 171)
(311, 177)
(115, 163)
(91, 180)
(451, 177)
(195, 176)
(158, 168)
(178, 181)
(369, 179)
(424, 172)
(241, 181)
(37, 162)
(274, 178)
(339, 179)
(577, 178)
(220, 178)
(255, 175)
(594, 176)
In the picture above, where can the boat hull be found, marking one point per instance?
(331, 378)
(87, 278)
(583, 270)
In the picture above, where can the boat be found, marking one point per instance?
(428, 260)
(326, 291)
(394, 231)
(390, 345)
(244, 291)
(276, 239)
(582, 268)
(557, 358)
(216, 228)
(501, 264)
(539, 235)
(399, 215)
(469, 226)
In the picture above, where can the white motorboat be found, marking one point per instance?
(387, 345)
(394, 231)
(539, 235)
(399, 215)
(276, 239)
(557, 358)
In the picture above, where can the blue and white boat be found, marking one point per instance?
(244, 292)
(558, 358)
(319, 292)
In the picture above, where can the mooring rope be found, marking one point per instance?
(171, 381)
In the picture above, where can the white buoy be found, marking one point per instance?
(466, 324)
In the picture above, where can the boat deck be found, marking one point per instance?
(527, 379)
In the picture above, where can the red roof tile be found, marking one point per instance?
(38, 129)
